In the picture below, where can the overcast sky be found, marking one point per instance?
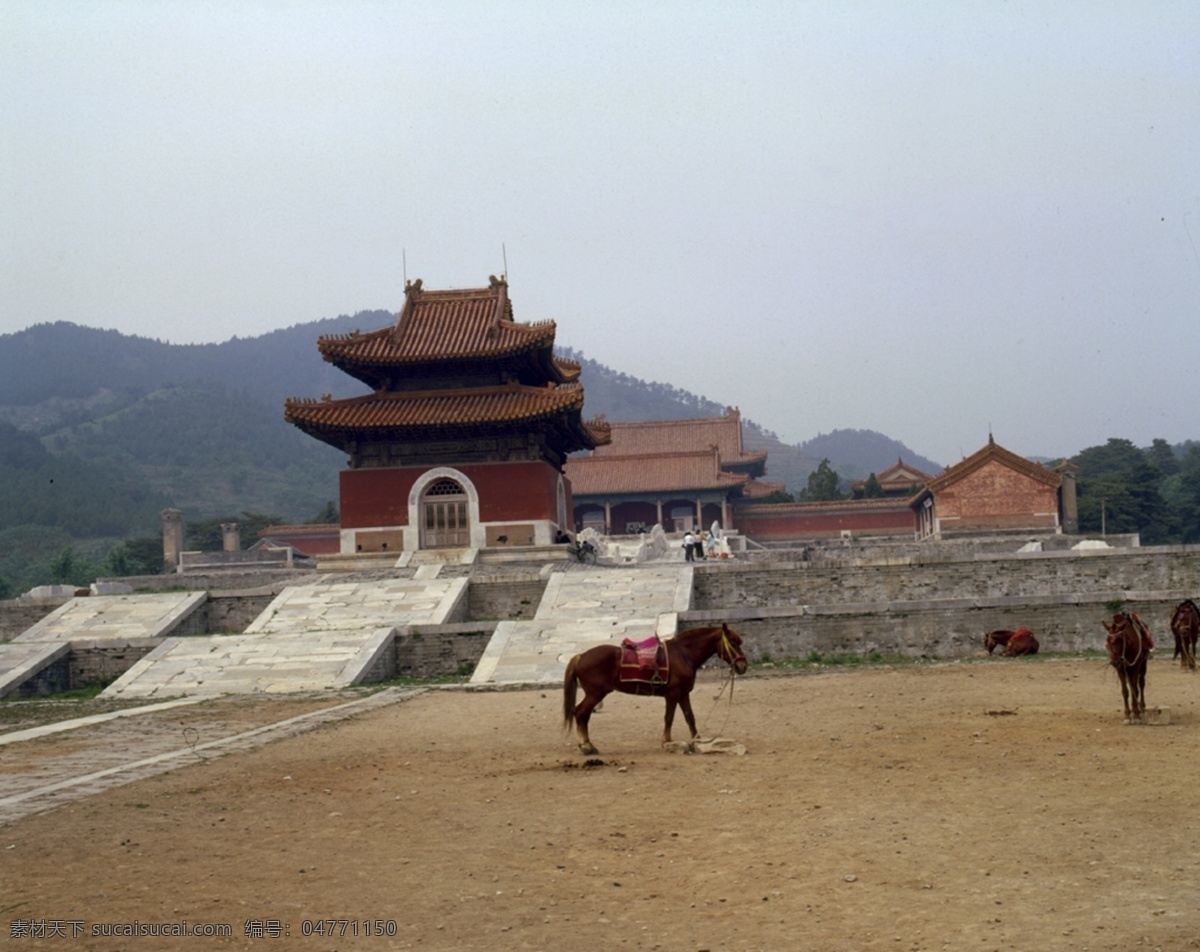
(930, 219)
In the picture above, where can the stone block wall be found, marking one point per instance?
(949, 628)
(232, 613)
(506, 598)
(98, 662)
(429, 651)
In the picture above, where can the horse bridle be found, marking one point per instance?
(727, 645)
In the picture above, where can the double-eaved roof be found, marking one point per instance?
(455, 363)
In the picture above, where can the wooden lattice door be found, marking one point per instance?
(444, 516)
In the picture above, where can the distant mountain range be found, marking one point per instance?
(139, 424)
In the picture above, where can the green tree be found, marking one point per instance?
(71, 568)
(871, 488)
(1120, 491)
(328, 516)
(822, 484)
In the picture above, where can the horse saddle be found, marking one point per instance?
(644, 661)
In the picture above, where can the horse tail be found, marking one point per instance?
(570, 683)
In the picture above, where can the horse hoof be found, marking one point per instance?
(588, 750)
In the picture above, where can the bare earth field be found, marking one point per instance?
(973, 806)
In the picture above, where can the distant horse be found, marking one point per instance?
(1019, 642)
(997, 639)
(1128, 646)
(597, 671)
(1185, 626)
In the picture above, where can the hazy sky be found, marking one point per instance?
(930, 219)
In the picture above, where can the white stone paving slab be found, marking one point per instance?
(115, 616)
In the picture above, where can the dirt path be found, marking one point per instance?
(998, 805)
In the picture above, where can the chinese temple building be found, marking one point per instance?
(462, 441)
(678, 474)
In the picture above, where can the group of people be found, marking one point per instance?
(698, 545)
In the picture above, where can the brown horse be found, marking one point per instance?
(1019, 642)
(1128, 646)
(997, 639)
(597, 671)
(1185, 626)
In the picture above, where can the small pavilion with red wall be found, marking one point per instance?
(462, 441)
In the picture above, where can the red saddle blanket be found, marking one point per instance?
(644, 661)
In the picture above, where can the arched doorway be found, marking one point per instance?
(444, 521)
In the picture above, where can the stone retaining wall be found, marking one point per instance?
(429, 651)
(943, 628)
(504, 599)
(1172, 570)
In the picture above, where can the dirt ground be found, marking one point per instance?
(989, 805)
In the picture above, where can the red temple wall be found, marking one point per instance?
(507, 492)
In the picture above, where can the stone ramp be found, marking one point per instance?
(20, 662)
(584, 608)
(340, 606)
(125, 617)
(311, 637)
(242, 664)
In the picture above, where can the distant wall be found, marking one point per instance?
(1167, 569)
(947, 628)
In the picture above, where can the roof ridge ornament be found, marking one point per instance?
(412, 291)
(500, 286)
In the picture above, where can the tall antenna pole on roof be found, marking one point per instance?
(504, 255)
(404, 264)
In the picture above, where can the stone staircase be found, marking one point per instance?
(582, 608)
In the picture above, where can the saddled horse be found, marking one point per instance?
(1019, 642)
(1128, 646)
(1185, 626)
(598, 672)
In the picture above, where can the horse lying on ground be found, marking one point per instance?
(1185, 626)
(1128, 645)
(598, 672)
(1019, 642)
